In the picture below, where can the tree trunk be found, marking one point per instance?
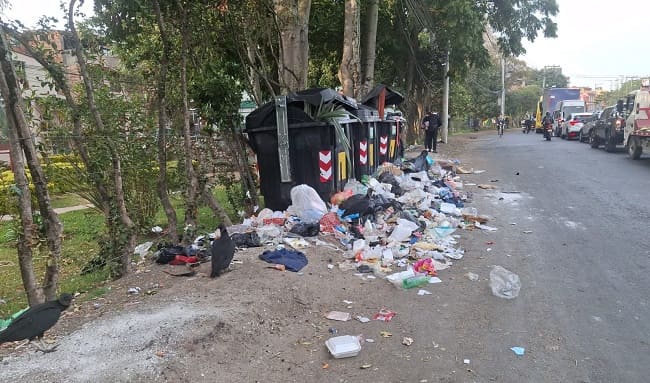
(238, 151)
(53, 227)
(192, 188)
(349, 71)
(163, 124)
(370, 47)
(216, 207)
(253, 77)
(26, 234)
(127, 247)
(293, 22)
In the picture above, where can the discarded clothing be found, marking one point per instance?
(292, 260)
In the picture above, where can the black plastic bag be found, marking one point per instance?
(420, 163)
(306, 229)
(246, 239)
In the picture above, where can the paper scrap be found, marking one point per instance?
(518, 350)
(424, 292)
(435, 280)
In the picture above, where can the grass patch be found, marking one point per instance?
(81, 231)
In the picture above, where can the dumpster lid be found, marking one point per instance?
(392, 97)
(318, 96)
(265, 115)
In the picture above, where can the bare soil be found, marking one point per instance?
(257, 324)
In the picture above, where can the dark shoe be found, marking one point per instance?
(434, 151)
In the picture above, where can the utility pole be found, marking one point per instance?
(445, 101)
(503, 86)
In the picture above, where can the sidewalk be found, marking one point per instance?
(60, 210)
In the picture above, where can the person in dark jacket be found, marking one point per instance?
(431, 123)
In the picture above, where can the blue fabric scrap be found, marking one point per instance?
(291, 259)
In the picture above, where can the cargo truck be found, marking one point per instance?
(549, 100)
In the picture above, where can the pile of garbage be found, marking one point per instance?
(397, 224)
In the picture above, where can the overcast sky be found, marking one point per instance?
(30, 11)
(598, 42)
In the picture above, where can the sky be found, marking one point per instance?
(599, 42)
(30, 11)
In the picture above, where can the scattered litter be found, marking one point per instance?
(424, 292)
(486, 187)
(433, 280)
(157, 229)
(362, 319)
(330, 266)
(344, 346)
(370, 340)
(527, 231)
(519, 351)
(384, 315)
(347, 302)
(297, 243)
(365, 366)
(385, 334)
(465, 361)
(325, 366)
(472, 276)
(134, 290)
(412, 282)
(339, 316)
(504, 283)
(485, 227)
(479, 171)
(406, 341)
(333, 330)
(142, 249)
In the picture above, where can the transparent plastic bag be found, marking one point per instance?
(306, 204)
(504, 283)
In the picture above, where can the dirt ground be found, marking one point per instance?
(256, 324)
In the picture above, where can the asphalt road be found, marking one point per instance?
(577, 231)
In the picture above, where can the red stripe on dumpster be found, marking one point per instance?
(363, 152)
(325, 165)
(383, 145)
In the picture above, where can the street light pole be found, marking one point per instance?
(503, 87)
(445, 101)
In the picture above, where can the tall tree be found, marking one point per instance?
(350, 69)
(22, 144)
(370, 48)
(292, 17)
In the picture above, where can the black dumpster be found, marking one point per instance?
(293, 148)
(363, 135)
(388, 130)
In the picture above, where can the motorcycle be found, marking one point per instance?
(548, 131)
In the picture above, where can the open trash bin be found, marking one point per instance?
(388, 130)
(294, 148)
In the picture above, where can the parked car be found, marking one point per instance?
(608, 130)
(585, 131)
(572, 126)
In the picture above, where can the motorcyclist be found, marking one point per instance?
(546, 122)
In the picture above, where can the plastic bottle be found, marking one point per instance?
(412, 282)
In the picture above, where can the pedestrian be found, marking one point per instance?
(431, 123)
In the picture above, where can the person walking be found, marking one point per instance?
(431, 124)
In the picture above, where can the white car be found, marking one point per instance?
(570, 129)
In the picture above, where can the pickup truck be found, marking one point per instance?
(608, 129)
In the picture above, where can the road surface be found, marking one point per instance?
(578, 234)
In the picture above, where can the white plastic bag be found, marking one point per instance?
(403, 230)
(306, 204)
(504, 283)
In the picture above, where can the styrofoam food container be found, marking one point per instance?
(343, 346)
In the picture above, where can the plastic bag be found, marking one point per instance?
(421, 163)
(504, 283)
(329, 222)
(403, 230)
(306, 229)
(339, 197)
(306, 204)
(246, 239)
